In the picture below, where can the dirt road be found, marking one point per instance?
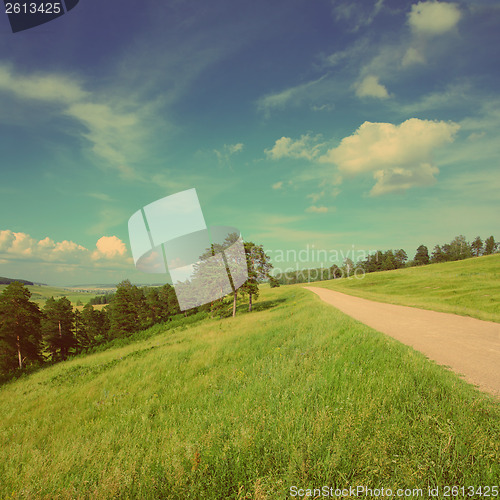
(469, 346)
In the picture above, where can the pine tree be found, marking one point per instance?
(437, 255)
(400, 258)
(20, 333)
(422, 256)
(127, 310)
(477, 246)
(489, 246)
(57, 327)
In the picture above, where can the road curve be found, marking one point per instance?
(470, 347)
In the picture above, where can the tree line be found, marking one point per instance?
(30, 336)
(459, 248)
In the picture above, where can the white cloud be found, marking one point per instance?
(399, 156)
(433, 18)
(401, 179)
(412, 56)
(110, 251)
(54, 88)
(291, 95)
(371, 87)
(235, 148)
(316, 210)
(100, 196)
(314, 197)
(278, 185)
(227, 151)
(115, 135)
(451, 97)
(306, 147)
(353, 15)
(109, 247)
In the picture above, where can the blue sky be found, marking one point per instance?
(320, 124)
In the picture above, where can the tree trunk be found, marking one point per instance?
(234, 304)
(19, 352)
(249, 302)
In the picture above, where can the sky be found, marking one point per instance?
(319, 128)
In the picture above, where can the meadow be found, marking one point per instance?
(468, 287)
(293, 394)
(40, 293)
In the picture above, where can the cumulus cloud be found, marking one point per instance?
(306, 147)
(109, 247)
(433, 18)
(399, 156)
(371, 87)
(401, 179)
(110, 251)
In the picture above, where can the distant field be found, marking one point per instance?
(469, 287)
(39, 294)
(295, 393)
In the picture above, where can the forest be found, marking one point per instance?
(458, 249)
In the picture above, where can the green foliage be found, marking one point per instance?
(127, 310)
(422, 256)
(94, 327)
(477, 246)
(57, 327)
(490, 246)
(20, 331)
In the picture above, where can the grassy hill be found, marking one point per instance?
(293, 394)
(468, 287)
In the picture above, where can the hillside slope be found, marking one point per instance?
(469, 287)
(295, 393)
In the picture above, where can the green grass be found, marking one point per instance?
(246, 407)
(469, 287)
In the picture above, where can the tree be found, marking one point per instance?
(127, 310)
(422, 256)
(273, 282)
(400, 258)
(477, 246)
(446, 251)
(437, 255)
(259, 268)
(490, 246)
(348, 267)
(20, 333)
(94, 327)
(57, 327)
(460, 248)
(335, 272)
(388, 262)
